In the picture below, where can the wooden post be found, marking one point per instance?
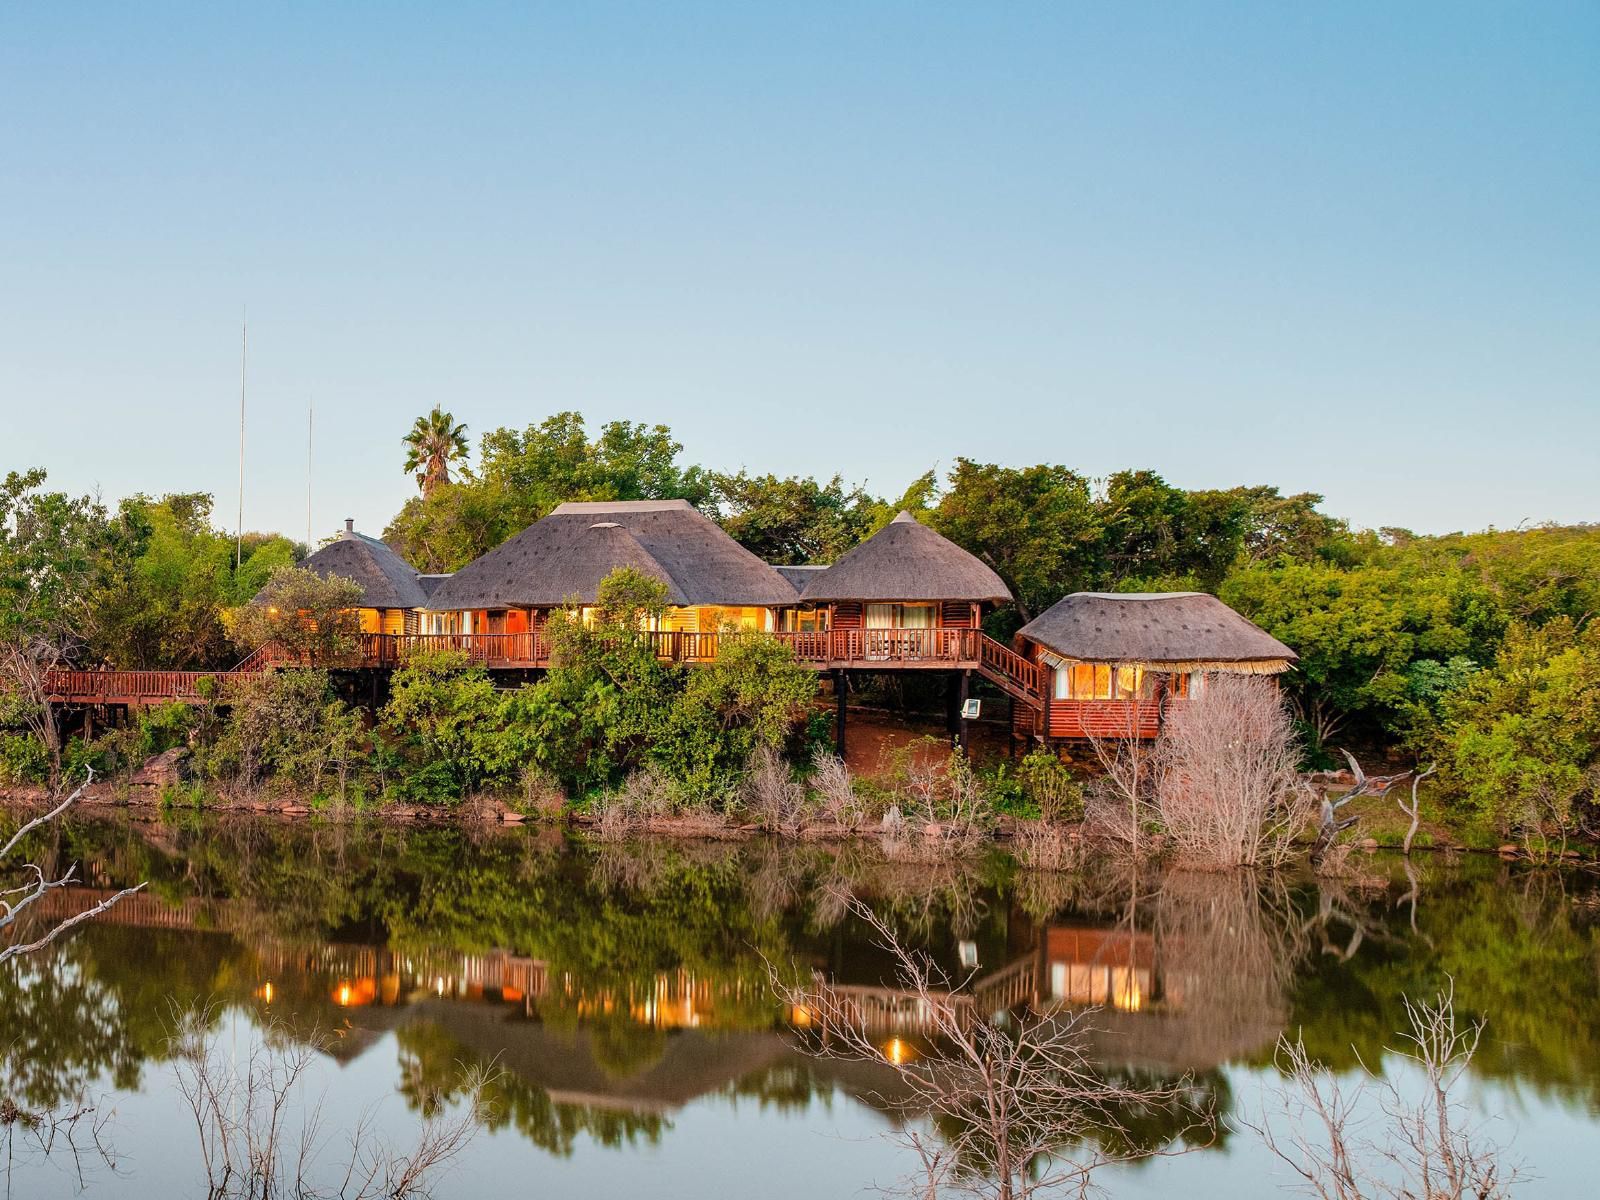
(966, 683)
(952, 702)
(838, 719)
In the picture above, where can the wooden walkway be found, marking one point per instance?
(832, 650)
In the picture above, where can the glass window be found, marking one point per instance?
(1130, 683)
(880, 616)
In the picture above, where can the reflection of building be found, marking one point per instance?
(1070, 966)
(1112, 968)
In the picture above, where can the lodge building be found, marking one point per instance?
(905, 599)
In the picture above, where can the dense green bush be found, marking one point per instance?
(446, 718)
(24, 759)
(1519, 744)
(287, 727)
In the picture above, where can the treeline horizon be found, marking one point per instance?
(1475, 647)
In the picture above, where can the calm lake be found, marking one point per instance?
(622, 992)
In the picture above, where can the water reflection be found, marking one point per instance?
(615, 986)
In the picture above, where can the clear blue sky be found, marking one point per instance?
(1344, 248)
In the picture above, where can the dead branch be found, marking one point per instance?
(1424, 1146)
(1017, 1108)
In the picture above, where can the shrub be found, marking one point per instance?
(1048, 783)
(837, 798)
(751, 697)
(771, 794)
(23, 759)
(1519, 745)
(287, 725)
(446, 716)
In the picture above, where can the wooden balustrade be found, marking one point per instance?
(126, 687)
(944, 648)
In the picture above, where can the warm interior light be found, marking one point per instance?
(342, 995)
(801, 1016)
(264, 993)
(899, 1051)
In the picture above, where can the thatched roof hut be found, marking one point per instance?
(565, 556)
(386, 579)
(1161, 631)
(905, 560)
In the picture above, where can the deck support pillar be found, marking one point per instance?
(839, 710)
(961, 703)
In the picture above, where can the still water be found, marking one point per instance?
(622, 994)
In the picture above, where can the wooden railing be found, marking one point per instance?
(934, 647)
(126, 687)
(824, 649)
(1012, 673)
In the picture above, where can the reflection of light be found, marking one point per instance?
(511, 994)
(899, 1051)
(342, 995)
(801, 1016)
(264, 992)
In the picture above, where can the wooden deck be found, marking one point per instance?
(840, 649)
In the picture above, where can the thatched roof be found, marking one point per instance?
(430, 583)
(568, 553)
(801, 578)
(386, 579)
(1188, 631)
(905, 560)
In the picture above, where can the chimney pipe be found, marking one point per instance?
(349, 524)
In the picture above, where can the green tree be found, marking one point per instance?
(524, 474)
(446, 715)
(1358, 633)
(793, 520)
(310, 618)
(1037, 527)
(1520, 744)
(50, 547)
(167, 580)
(435, 441)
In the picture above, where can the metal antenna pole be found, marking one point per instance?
(244, 345)
(310, 416)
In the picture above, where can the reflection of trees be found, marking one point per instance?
(1522, 945)
(95, 1006)
(1241, 959)
(1229, 943)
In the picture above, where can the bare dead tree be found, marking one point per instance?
(1009, 1107)
(1426, 1145)
(253, 1147)
(1118, 804)
(1227, 776)
(1330, 825)
(1414, 810)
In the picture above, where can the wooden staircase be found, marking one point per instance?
(1010, 672)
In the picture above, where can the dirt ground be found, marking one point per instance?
(873, 740)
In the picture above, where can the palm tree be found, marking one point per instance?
(434, 442)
